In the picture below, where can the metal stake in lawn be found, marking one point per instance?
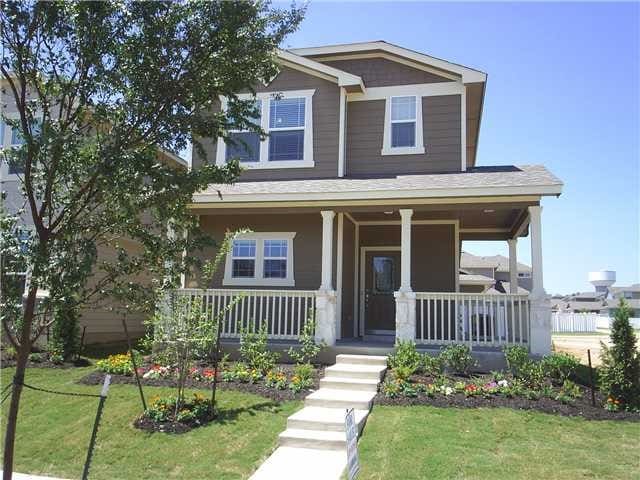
(96, 424)
(133, 364)
(593, 392)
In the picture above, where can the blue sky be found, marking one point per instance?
(562, 90)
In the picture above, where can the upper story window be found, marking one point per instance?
(245, 145)
(524, 274)
(403, 126)
(287, 119)
(261, 259)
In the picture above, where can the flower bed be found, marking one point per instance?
(279, 384)
(445, 380)
(162, 415)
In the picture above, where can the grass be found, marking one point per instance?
(427, 442)
(54, 431)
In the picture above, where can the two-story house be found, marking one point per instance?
(358, 201)
(491, 273)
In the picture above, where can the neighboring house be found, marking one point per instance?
(491, 272)
(358, 201)
(103, 322)
(631, 294)
(581, 302)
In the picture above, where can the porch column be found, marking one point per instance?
(405, 297)
(540, 327)
(326, 318)
(513, 265)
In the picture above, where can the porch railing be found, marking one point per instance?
(284, 312)
(475, 319)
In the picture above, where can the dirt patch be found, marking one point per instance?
(579, 344)
(258, 388)
(148, 425)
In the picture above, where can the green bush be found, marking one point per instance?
(517, 357)
(403, 373)
(406, 356)
(36, 357)
(276, 379)
(65, 331)
(432, 365)
(309, 348)
(560, 366)
(391, 388)
(302, 377)
(458, 359)
(620, 371)
(254, 350)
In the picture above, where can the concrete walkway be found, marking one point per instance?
(314, 447)
(26, 476)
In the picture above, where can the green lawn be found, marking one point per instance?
(426, 442)
(54, 431)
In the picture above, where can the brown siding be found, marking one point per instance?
(441, 130)
(326, 113)
(307, 244)
(432, 253)
(380, 72)
(348, 273)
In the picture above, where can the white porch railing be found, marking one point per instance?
(284, 312)
(475, 319)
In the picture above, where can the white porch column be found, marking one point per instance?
(405, 298)
(540, 327)
(513, 265)
(326, 318)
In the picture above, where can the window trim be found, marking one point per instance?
(258, 279)
(387, 149)
(263, 158)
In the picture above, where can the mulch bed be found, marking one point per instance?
(82, 362)
(97, 378)
(581, 407)
(148, 425)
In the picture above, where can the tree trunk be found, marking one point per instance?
(216, 363)
(21, 366)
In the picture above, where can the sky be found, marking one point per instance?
(563, 90)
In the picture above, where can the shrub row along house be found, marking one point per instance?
(358, 200)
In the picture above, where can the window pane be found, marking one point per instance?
(16, 165)
(275, 248)
(244, 248)
(403, 134)
(382, 274)
(246, 148)
(275, 268)
(243, 268)
(16, 137)
(286, 145)
(403, 108)
(286, 113)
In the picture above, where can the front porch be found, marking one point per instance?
(383, 274)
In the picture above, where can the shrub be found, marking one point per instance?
(560, 366)
(65, 330)
(36, 357)
(571, 389)
(532, 374)
(254, 351)
(432, 365)
(620, 370)
(242, 373)
(302, 377)
(9, 352)
(405, 356)
(276, 379)
(119, 364)
(309, 349)
(194, 410)
(391, 388)
(402, 373)
(516, 357)
(458, 359)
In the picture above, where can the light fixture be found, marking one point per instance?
(389, 213)
(488, 210)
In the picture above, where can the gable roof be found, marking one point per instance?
(467, 75)
(499, 262)
(352, 83)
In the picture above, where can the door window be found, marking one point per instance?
(383, 275)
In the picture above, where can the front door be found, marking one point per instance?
(382, 279)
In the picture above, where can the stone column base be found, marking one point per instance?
(540, 326)
(326, 319)
(405, 315)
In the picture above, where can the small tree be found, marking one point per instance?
(620, 370)
(309, 348)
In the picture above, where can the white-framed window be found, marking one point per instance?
(403, 133)
(287, 118)
(261, 259)
(524, 274)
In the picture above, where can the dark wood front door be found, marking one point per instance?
(382, 279)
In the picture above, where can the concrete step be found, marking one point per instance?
(320, 418)
(320, 439)
(291, 463)
(362, 359)
(332, 398)
(351, 370)
(341, 383)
